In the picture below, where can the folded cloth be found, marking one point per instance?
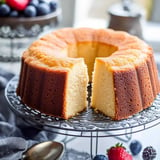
(12, 147)
(15, 134)
(4, 78)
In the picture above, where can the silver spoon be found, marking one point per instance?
(49, 150)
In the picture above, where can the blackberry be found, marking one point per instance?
(149, 153)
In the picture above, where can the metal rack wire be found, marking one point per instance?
(88, 123)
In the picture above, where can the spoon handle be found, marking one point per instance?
(24, 157)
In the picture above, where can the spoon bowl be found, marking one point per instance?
(49, 150)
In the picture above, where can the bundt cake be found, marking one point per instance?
(56, 70)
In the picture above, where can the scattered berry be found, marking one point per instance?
(118, 152)
(135, 147)
(18, 5)
(43, 9)
(4, 10)
(149, 153)
(100, 157)
(14, 13)
(30, 11)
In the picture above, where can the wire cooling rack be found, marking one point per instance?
(86, 124)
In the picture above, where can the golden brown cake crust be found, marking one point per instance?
(127, 93)
(46, 67)
(37, 93)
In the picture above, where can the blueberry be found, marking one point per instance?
(30, 11)
(14, 13)
(100, 157)
(34, 3)
(4, 10)
(135, 147)
(53, 6)
(43, 9)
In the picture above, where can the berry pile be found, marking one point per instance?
(118, 152)
(27, 8)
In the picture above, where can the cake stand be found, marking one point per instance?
(22, 29)
(88, 123)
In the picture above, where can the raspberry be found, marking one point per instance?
(18, 5)
(149, 153)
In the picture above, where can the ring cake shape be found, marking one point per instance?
(56, 70)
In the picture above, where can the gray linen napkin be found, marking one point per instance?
(15, 134)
